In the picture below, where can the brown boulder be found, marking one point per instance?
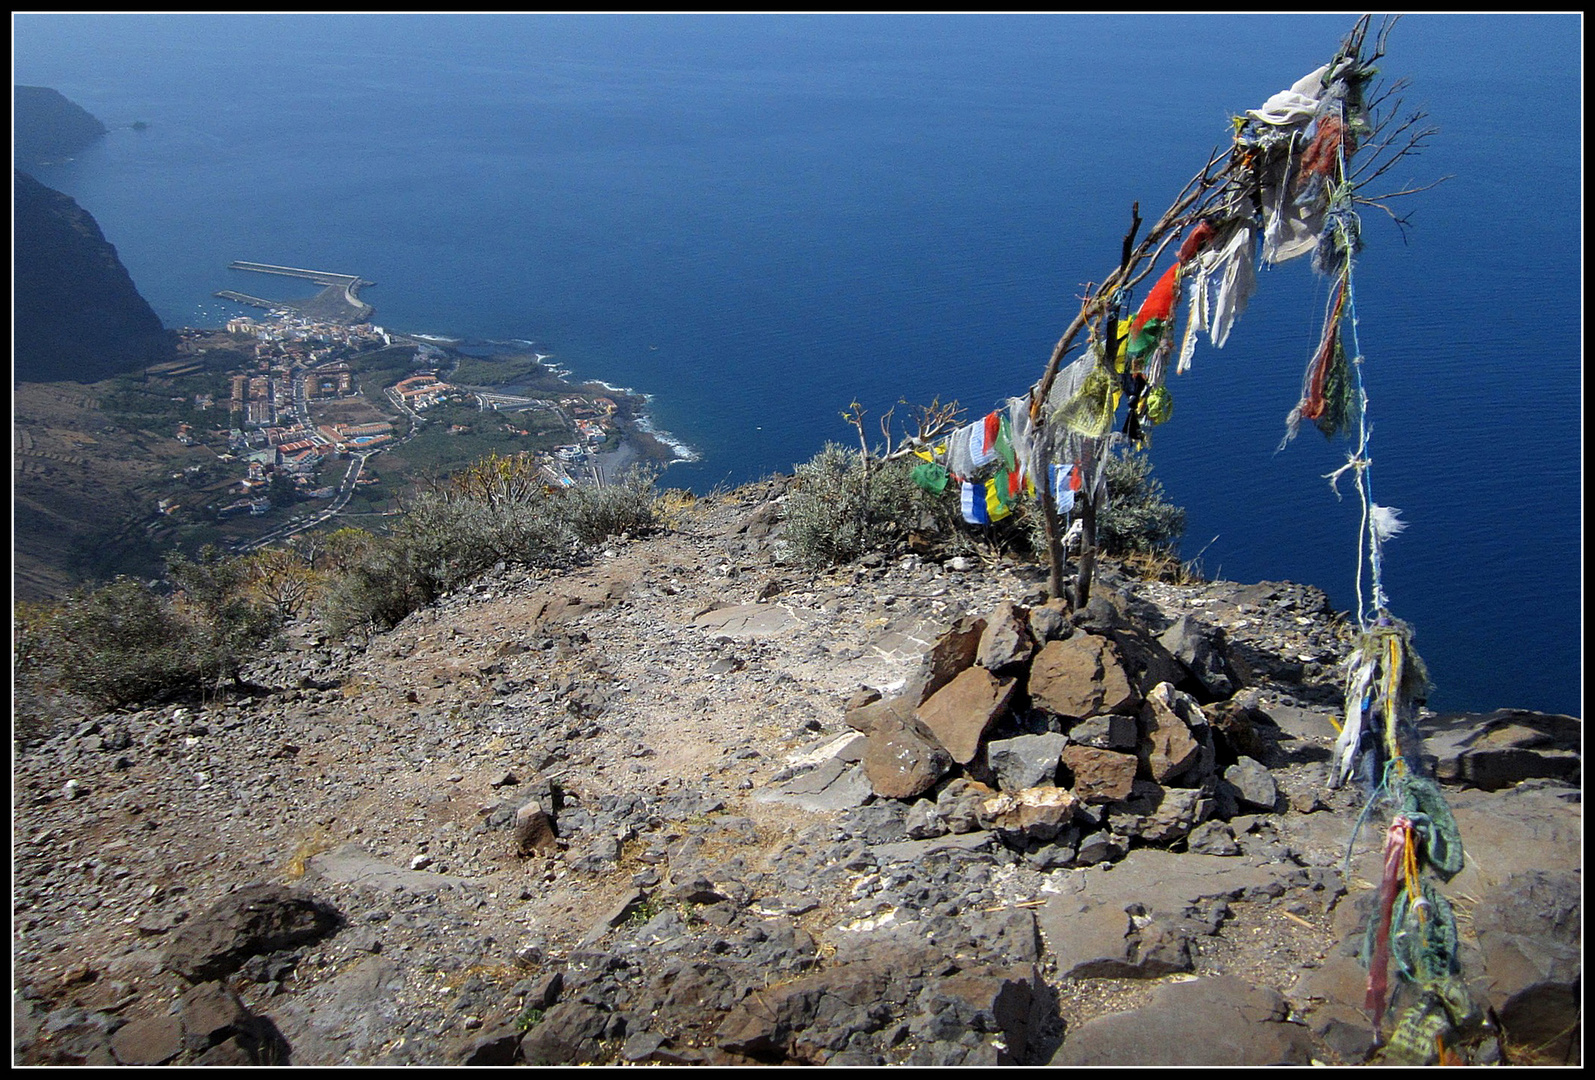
(953, 652)
(903, 760)
(534, 829)
(210, 1013)
(1100, 776)
(1083, 675)
(151, 1040)
(1006, 642)
(1175, 738)
(960, 713)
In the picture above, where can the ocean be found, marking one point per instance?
(758, 220)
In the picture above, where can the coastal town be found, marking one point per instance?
(309, 402)
(251, 428)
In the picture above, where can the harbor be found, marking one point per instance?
(338, 301)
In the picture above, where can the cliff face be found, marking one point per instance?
(77, 313)
(48, 127)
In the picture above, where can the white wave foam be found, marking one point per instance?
(679, 450)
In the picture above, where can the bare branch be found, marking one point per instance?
(1383, 92)
(931, 422)
(1414, 146)
(854, 415)
(1379, 135)
(1384, 134)
(1384, 33)
(1402, 222)
(1376, 199)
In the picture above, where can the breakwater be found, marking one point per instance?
(339, 301)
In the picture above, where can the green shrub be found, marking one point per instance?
(496, 511)
(230, 621)
(373, 593)
(124, 643)
(595, 513)
(840, 510)
(1138, 520)
(120, 645)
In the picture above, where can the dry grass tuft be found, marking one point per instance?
(308, 848)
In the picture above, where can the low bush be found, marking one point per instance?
(125, 643)
(839, 509)
(496, 511)
(230, 619)
(118, 645)
(594, 513)
(1138, 520)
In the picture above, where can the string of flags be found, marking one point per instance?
(995, 462)
(1286, 193)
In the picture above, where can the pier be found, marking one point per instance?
(339, 301)
(245, 298)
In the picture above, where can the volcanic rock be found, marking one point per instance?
(960, 713)
(1100, 776)
(903, 759)
(1081, 676)
(1025, 761)
(258, 919)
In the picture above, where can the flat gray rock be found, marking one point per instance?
(1531, 935)
(352, 864)
(1530, 827)
(1498, 749)
(1093, 937)
(344, 1020)
(1026, 760)
(914, 850)
(1222, 1020)
(1165, 881)
(907, 638)
(846, 747)
(834, 785)
(749, 621)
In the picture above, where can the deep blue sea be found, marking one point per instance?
(759, 219)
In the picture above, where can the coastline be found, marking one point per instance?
(640, 441)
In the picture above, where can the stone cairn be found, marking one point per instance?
(1068, 736)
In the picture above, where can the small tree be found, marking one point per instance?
(283, 579)
(1227, 194)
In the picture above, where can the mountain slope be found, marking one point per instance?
(610, 814)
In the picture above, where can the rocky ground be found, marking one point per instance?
(691, 804)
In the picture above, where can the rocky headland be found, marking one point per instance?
(77, 314)
(689, 803)
(46, 126)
